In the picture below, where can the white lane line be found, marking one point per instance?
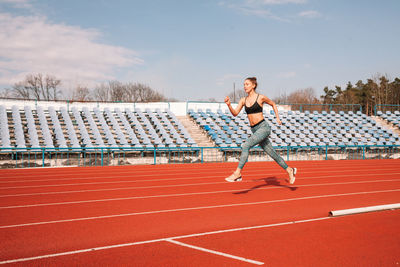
(163, 239)
(187, 194)
(193, 208)
(174, 172)
(251, 227)
(180, 185)
(252, 171)
(215, 252)
(200, 178)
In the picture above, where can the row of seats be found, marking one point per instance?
(95, 128)
(108, 135)
(32, 132)
(390, 117)
(44, 128)
(127, 127)
(135, 128)
(59, 135)
(120, 136)
(73, 139)
(18, 131)
(4, 132)
(85, 138)
(298, 128)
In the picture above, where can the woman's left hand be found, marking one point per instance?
(279, 121)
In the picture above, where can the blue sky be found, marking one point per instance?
(192, 50)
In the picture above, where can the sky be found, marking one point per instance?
(194, 50)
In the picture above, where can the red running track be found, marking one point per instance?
(187, 215)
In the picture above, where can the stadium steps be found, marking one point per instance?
(10, 122)
(11, 129)
(195, 132)
(386, 124)
(201, 139)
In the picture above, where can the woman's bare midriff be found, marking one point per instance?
(255, 118)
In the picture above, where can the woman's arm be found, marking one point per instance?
(272, 103)
(239, 107)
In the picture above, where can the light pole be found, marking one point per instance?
(234, 94)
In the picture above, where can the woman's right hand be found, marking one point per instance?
(227, 101)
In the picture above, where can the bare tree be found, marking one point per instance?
(6, 93)
(128, 92)
(117, 91)
(19, 90)
(101, 92)
(146, 94)
(51, 86)
(303, 96)
(283, 98)
(81, 93)
(132, 93)
(37, 86)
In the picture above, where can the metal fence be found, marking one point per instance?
(109, 156)
(385, 107)
(324, 107)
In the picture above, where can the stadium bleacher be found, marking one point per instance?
(298, 128)
(46, 134)
(91, 128)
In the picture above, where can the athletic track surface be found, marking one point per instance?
(187, 215)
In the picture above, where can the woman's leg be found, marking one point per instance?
(267, 147)
(253, 140)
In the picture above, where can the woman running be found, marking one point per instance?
(259, 127)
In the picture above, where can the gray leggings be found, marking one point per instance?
(260, 136)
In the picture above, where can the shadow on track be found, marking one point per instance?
(270, 181)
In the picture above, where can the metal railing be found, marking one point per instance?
(324, 107)
(294, 106)
(385, 107)
(110, 156)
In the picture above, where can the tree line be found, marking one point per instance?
(48, 88)
(378, 90)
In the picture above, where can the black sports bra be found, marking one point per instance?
(255, 108)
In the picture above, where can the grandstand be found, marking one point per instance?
(36, 133)
(299, 129)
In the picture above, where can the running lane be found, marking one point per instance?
(258, 201)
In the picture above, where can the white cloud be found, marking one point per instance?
(32, 44)
(311, 14)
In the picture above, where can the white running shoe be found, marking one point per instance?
(232, 178)
(293, 177)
